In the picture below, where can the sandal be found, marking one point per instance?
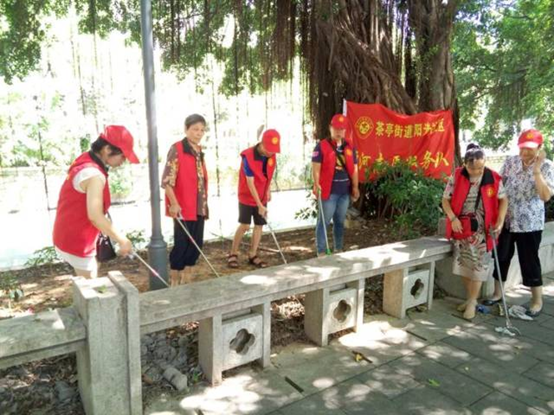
(232, 261)
(257, 262)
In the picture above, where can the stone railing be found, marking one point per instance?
(108, 316)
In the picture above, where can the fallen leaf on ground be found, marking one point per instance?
(433, 382)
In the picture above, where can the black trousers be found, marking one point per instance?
(184, 253)
(528, 244)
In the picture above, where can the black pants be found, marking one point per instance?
(184, 253)
(528, 244)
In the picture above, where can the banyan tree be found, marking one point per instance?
(393, 52)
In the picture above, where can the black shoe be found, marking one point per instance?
(490, 302)
(533, 314)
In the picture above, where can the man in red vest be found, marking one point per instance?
(85, 199)
(335, 175)
(256, 171)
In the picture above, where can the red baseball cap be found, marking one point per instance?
(120, 137)
(271, 141)
(339, 121)
(530, 139)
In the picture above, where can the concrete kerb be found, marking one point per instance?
(40, 336)
(229, 341)
(111, 310)
(109, 365)
(332, 309)
(407, 288)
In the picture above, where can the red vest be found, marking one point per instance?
(328, 165)
(261, 182)
(73, 231)
(489, 197)
(186, 184)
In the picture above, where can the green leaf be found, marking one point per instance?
(433, 382)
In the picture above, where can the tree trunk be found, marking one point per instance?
(432, 22)
(353, 59)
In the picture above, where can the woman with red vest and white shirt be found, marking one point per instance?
(185, 180)
(474, 200)
(256, 171)
(85, 199)
(335, 175)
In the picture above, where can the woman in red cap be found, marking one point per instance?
(256, 171)
(85, 199)
(529, 182)
(335, 175)
(185, 180)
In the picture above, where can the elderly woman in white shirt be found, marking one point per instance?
(529, 182)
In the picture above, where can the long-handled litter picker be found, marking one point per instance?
(180, 220)
(276, 243)
(509, 329)
(133, 254)
(327, 251)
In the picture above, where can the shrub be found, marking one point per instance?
(137, 239)
(44, 256)
(405, 196)
(309, 211)
(11, 288)
(120, 183)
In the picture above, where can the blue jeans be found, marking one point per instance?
(333, 208)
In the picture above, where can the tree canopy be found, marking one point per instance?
(489, 61)
(505, 68)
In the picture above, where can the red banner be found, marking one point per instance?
(425, 140)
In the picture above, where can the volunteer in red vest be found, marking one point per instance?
(85, 199)
(256, 171)
(529, 181)
(473, 201)
(185, 180)
(335, 175)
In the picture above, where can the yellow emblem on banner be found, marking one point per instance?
(364, 126)
(490, 192)
(270, 162)
(275, 140)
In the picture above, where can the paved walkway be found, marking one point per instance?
(432, 362)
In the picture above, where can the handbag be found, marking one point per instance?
(104, 247)
(469, 226)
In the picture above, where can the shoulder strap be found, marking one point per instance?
(478, 196)
(339, 159)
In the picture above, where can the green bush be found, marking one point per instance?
(44, 256)
(405, 196)
(137, 239)
(120, 183)
(310, 210)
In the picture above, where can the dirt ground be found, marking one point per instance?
(49, 286)
(50, 385)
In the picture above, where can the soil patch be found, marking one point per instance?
(50, 386)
